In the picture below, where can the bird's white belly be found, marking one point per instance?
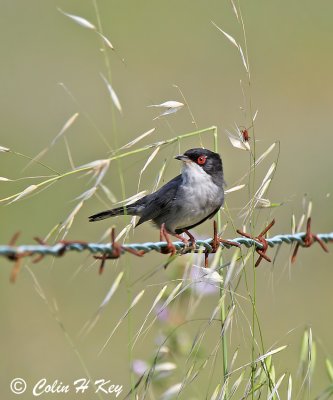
(192, 215)
(202, 199)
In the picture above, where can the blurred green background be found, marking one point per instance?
(162, 44)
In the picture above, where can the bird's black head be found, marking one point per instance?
(209, 161)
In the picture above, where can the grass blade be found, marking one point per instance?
(24, 193)
(133, 304)
(276, 387)
(157, 299)
(113, 95)
(137, 139)
(290, 388)
(93, 321)
(79, 20)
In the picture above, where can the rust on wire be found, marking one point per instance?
(40, 256)
(117, 250)
(16, 258)
(308, 241)
(217, 240)
(261, 239)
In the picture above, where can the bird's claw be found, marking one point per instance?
(170, 247)
(189, 244)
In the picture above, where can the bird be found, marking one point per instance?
(183, 203)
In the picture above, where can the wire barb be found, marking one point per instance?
(216, 242)
(16, 258)
(116, 251)
(308, 241)
(262, 240)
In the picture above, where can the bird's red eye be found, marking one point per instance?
(201, 160)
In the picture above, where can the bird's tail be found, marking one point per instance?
(124, 210)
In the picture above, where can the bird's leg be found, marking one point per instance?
(192, 238)
(181, 238)
(170, 248)
(188, 244)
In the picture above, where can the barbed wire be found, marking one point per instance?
(114, 249)
(62, 247)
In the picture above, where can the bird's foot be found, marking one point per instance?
(190, 244)
(170, 247)
(192, 238)
(182, 239)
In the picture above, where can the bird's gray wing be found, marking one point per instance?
(160, 203)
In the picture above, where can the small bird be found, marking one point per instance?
(186, 201)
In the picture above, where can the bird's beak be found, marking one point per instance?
(182, 157)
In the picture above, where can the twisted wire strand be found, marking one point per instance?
(59, 249)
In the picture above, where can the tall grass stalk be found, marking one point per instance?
(223, 305)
